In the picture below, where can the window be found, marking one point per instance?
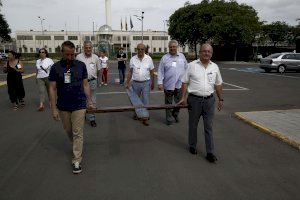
(50, 50)
(124, 38)
(159, 37)
(43, 37)
(140, 37)
(20, 50)
(93, 38)
(87, 38)
(59, 37)
(25, 50)
(119, 38)
(37, 50)
(165, 50)
(135, 49)
(72, 37)
(289, 56)
(159, 49)
(31, 50)
(24, 37)
(154, 50)
(297, 56)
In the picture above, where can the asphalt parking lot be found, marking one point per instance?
(125, 160)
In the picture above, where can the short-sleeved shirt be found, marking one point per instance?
(43, 67)
(121, 64)
(141, 68)
(103, 62)
(92, 64)
(201, 81)
(70, 96)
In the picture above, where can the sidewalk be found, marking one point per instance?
(282, 124)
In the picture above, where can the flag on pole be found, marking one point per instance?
(121, 25)
(131, 24)
(126, 23)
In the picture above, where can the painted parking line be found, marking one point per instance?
(259, 71)
(2, 83)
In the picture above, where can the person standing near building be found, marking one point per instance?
(70, 96)
(104, 67)
(14, 69)
(142, 74)
(43, 66)
(171, 68)
(122, 57)
(93, 67)
(200, 80)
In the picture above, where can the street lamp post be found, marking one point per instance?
(141, 18)
(42, 19)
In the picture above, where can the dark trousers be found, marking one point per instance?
(170, 96)
(122, 74)
(198, 107)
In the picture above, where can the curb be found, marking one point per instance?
(23, 77)
(268, 131)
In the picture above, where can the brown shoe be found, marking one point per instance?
(41, 108)
(145, 122)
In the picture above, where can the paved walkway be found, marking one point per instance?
(283, 124)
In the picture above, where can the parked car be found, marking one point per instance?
(281, 62)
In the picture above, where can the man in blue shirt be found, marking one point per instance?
(171, 68)
(69, 91)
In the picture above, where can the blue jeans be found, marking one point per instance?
(142, 89)
(93, 87)
(122, 75)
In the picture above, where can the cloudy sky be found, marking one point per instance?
(80, 14)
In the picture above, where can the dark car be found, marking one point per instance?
(281, 62)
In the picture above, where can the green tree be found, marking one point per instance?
(4, 28)
(277, 32)
(227, 23)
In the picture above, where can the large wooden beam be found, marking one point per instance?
(132, 108)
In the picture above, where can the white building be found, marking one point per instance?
(104, 39)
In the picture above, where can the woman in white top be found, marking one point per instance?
(104, 67)
(43, 66)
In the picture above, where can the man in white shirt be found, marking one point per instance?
(93, 68)
(201, 79)
(142, 74)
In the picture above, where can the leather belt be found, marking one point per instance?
(202, 97)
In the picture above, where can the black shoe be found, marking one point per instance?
(193, 150)
(175, 117)
(135, 117)
(145, 122)
(77, 168)
(93, 124)
(169, 123)
(211, 157)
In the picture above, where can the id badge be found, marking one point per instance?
(67, 77)
(92, 65)
(174, 64)
(210, 77)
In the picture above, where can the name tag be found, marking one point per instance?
(92, 65)
(67, 77)
(210, 77)
(174, 64)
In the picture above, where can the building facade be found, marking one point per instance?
(104, 39)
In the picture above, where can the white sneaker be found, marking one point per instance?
(77, 168)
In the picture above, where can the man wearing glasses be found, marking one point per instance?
(200, 80)
(142, 74)
(171, 68)
(93, 67)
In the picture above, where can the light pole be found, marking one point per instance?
(42, 19)
(141, 18)
(165, 24)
